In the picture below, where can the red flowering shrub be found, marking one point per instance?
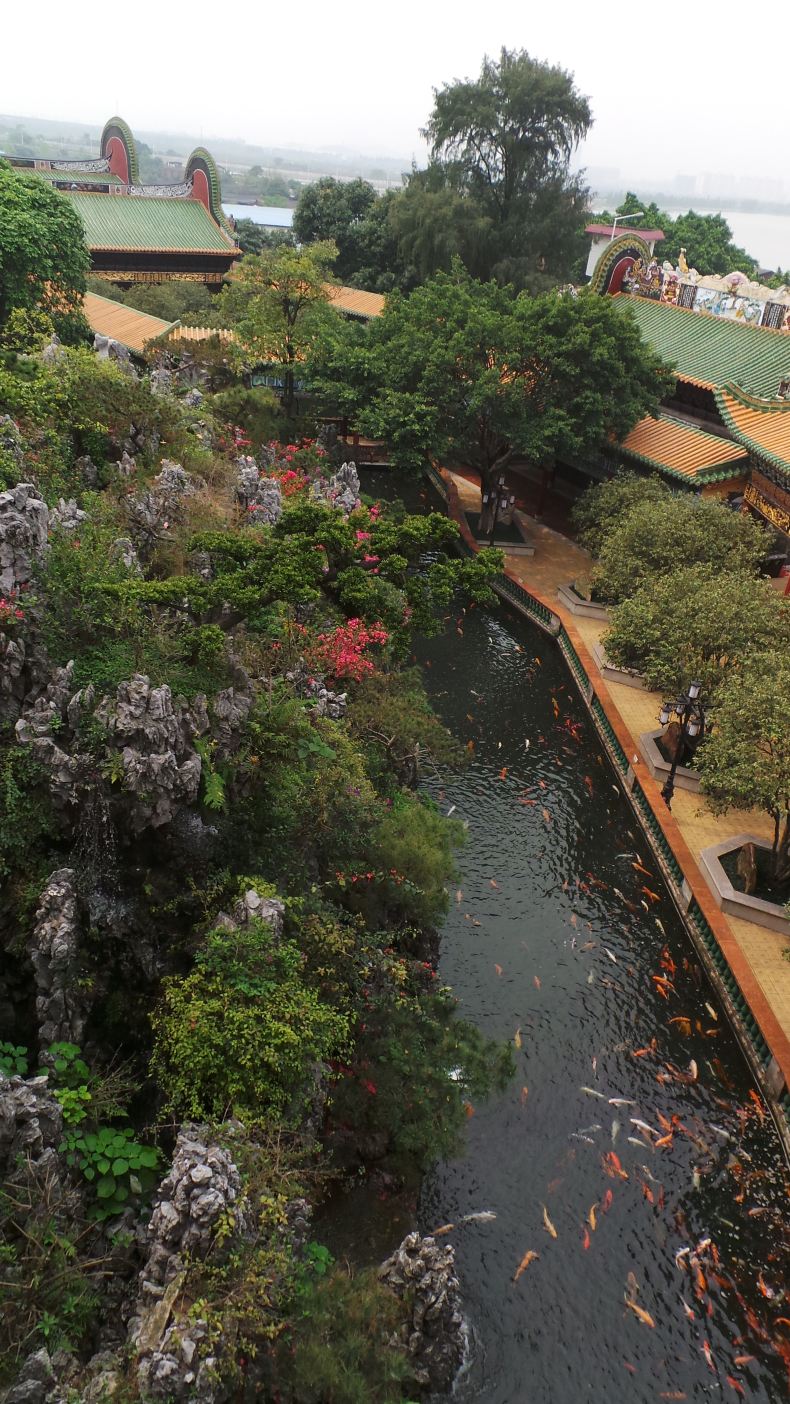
(10, 613)
(342, 652)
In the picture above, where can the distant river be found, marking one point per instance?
(765, 236)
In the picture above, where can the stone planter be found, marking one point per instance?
(685, 778)
(736, 903)
(576, 604)
(626, 676)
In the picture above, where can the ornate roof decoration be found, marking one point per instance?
(616, 262)
(118, 130)
(201, 171)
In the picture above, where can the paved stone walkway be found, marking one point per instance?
(764, 975)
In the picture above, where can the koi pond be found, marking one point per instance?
(640, 1249)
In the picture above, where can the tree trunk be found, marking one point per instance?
(781, 849)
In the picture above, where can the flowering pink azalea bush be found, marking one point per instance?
(10, 613)
(342, 652)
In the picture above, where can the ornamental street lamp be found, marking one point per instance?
(497, 501)
(689, 713)
(618, 219)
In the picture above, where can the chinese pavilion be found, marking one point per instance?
(144, 233)
(725, 428)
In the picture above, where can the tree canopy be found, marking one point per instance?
(43, 256)
(471, 373)
(501, 145)
(658, 533)
(277, 303)
(706, 238)
(697, 622)
(745, 763)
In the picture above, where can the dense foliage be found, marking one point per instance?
(208, 1018)
(470, 373)
(705, 238)
(745, 763)
(43, 258)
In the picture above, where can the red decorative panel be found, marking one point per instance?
(119, 161)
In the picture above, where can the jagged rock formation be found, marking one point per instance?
(67, 515)
(24, 520)
(54, 950)
(202, 1189)
(342, 490)
(31, 1125)
(122, 550)
(253, 907)
(327, 704)
(150, 734)
(53, 353)
(107, 349)
(422, 1272)
(11, 439)
(260, 497)
(162, 504)
(193, 398)
(87, 470)
(126, 465)
(36, 1382)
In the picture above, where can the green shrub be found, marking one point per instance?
(118, 1168)
(13, 1060)
(242, 1030)
(416, 1069)
(340, 1344)
(418, 843)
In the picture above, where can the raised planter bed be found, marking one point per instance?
(577, 604)
(510, 537)
(659, 767)
(736, 903)
(626, 676)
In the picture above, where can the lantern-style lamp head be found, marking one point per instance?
(695, 689)
(663, 715)
(693, 727)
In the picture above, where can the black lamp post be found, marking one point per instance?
(689, 712)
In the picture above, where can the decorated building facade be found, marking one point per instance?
(144, 233)
(725, 428)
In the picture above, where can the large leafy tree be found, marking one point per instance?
(43, 257)
(277, 303)
(745, 763)
(469, 373)
(502, 142)
(358, 221)
(652, 537)
(698, 622)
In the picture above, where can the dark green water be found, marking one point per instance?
(552, 940)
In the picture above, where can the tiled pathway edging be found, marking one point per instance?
(764, 1041)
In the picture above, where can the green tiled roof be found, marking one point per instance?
(712, 349)
(148, 222)
(80, 177)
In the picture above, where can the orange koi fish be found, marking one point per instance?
(647, 1192)
(498, 968)
(606, 1202)
(640, 1313)
(708, 1353)
(524, 1095)
(529, 1257)
(591, 1219)
(536, 981)
(612, 1166)
(758, 1104)
(683, 1023)
(586, 1240)
(736, 1385)
(547, 1224)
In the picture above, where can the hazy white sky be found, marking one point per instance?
(691, 87)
